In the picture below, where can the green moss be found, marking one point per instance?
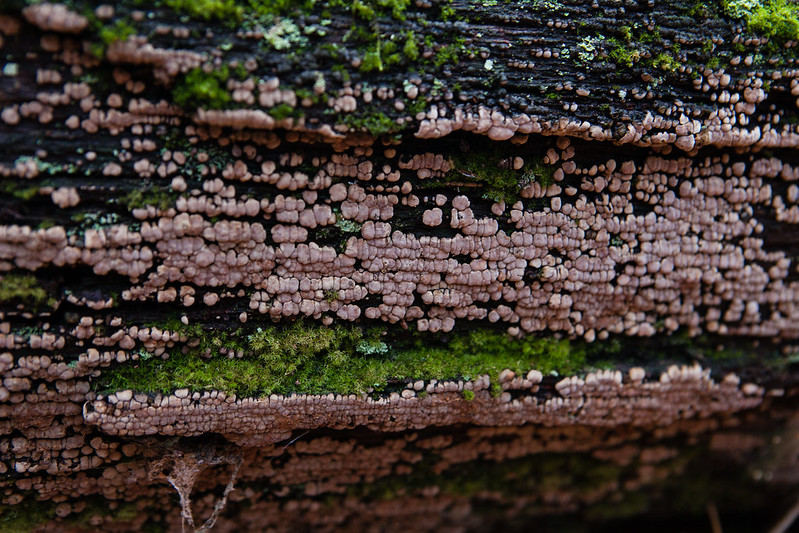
(739, 8)
(665, 61)
(307, 358)
(447, 12)
(416, 106)
(331, 296)
(538, 171)
(265, 9)
(700, 10)
(379, 55)
(119, 31)
(411, 49)
(777, 20)
(626, 33)
(493, 171)
(160, 198)
(18, 191)
(622, 54)
(651, 37)
(376, 124)
(544, 5)
(372, 60)
(369, 9)
(26, 516)
(468, 395)
(304, 357)
(222, 10)
(363, 10)
(198, 88)
(450, 54)
(283, 111)
(25, 289)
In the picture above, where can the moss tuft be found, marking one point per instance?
(18, 191)
(493, 171)
(308, 358)
(376, 124)
(119, 31)
(411, 49)
(26, 516)
(623, 55)
(202, 89)
(160, 198)
(222, 10)
(777, 20)
(284, 111)
(665, 61)
(25, 289)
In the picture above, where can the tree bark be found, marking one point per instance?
(244, 234)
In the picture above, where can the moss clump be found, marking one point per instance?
(777, 20)
(369, 10)
(468, 395)
(119, 31)
(161, 199)
(450, 54)
(624, 55)
(500, 182)
(538, 171)
(199, 88)
(12, 188)
(307, 358)
(377, 124)
(25, 289)
(25, 516)
(331, 296)
(284, 111)
(493, 170)
(739, 8)
(666, 62)
(223, 10)
(381, 54)
(411, 48)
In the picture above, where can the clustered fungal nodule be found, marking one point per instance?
(154, 166)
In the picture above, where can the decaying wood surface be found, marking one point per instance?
(176, 180)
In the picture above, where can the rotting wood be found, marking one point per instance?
(175, 179)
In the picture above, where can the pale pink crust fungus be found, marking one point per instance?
(599, 399)
(640, 265)
(55, 17)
